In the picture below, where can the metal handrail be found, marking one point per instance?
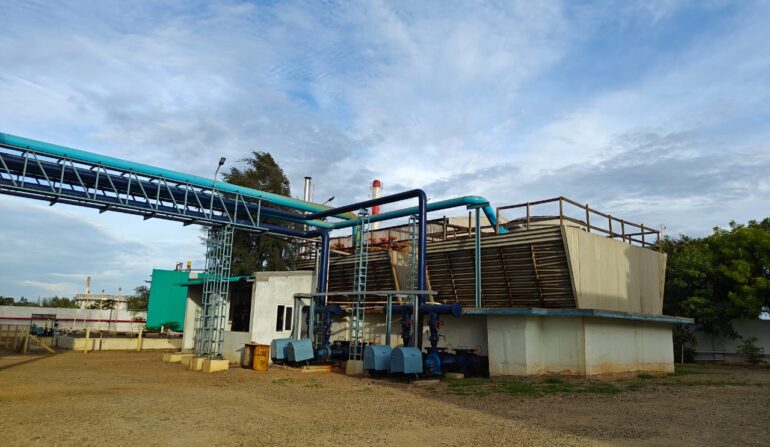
(639, 232)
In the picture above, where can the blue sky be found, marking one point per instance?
(656, 111)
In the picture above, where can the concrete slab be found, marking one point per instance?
(196, 363)
(186, 359)
(425, 382)
(354, 367)
(454, 376)
(210, 366)
(173, 358)
(317, 369)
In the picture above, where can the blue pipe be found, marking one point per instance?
(422, 232)
(89, 177)
(472, 201)
(318, 210)
(323, 265)
(112, 162)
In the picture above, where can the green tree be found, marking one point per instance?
(254, 252)
(139, 300)
(721, 277)
(56, 301)
(6, 301)
(25, 302)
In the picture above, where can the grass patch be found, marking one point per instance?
(516, 388)
(283, 380)
(469, 387)
(645, 376)
(698, 369)
(687, 383)
(551, 385)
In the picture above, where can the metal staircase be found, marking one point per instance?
(361, 237)
(216, 287)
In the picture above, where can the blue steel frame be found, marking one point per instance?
(31, 174)
(43, 171)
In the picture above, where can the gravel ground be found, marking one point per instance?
(135, 399)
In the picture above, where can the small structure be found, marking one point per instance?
(101, 301)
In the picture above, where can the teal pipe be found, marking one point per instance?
(62, 151)
(350, 219)
(471, 201)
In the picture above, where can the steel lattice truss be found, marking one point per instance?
(209, 336)
(56, 179)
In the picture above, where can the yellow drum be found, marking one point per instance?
(261, 359)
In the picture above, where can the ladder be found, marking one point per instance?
(412, 275)
(216, 288)
(360, 270)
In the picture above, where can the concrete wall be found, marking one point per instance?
(115, 344)
(534, 345)
(191, 314)
(529, 345)
(612, 275)
(233, 345)
(68, 318)
(617, 346)
(716, 348)
(272, 289)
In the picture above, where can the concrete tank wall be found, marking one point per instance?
(616, 346)
(530, 345)
(522, 345)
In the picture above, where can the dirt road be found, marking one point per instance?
(135, 399)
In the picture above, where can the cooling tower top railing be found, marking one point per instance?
(567, 211)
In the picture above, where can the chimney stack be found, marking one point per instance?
(376, 209)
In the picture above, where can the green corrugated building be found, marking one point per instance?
(168, 298)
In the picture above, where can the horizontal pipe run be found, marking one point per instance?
(92, 179)
(489, 212)
(22, 143)
(455, 309)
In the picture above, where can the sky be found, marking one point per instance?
(656, 111)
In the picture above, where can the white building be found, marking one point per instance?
(101, 301)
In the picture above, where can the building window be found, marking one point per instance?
(287, 325)
(279, 319)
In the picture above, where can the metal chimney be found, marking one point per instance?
(308, 197)
(88, 285)
(376, 209)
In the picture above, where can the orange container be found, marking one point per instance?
(261, 359)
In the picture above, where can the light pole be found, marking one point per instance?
(222, 161)
(214, 186)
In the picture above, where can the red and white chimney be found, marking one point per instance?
(88, 285)
(376, 209)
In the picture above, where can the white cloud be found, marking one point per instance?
(460, 98)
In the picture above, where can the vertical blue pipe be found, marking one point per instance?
(422, 244)
(478, 258)
(323, 265)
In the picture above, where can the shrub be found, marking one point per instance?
(750, 349)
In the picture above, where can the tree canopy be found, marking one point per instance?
(139, 300)
(253, 252)
(721, 277)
